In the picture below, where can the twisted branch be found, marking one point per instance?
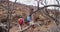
(50, 18)
(29, 26)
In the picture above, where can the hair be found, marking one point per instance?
(20, 17)
(30, 15)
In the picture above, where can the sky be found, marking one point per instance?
(34, 2)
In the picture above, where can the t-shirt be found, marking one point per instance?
(20, 21)
(28, 18)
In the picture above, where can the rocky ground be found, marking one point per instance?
(21, 9)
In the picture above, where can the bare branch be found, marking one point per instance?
(45, 7)
(29, 26)
(57, 2)
(50, 18)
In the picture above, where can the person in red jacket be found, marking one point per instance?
(20, 22)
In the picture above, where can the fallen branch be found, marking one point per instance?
(29, 27)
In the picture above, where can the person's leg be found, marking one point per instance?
(19, 28)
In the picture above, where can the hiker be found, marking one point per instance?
(28, 18)
(20, 22)
(29, 22)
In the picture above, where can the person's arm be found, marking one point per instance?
(23, 20)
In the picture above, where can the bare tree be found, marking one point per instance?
(48, 13)
(9, 14)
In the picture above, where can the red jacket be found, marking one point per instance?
(20, 21)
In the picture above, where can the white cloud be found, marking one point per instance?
(12, 0)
